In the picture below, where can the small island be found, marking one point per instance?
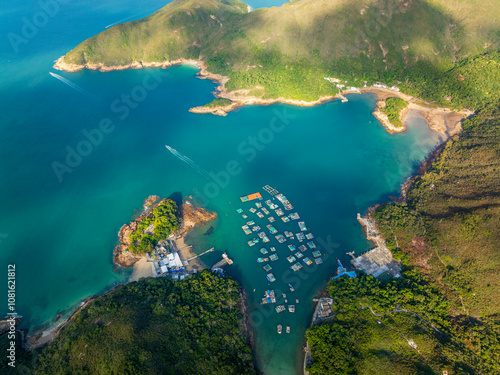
(159, 229)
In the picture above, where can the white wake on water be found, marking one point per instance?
(72, 85)
(188, 161)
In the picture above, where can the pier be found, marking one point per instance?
(225, 260)
(186, 262)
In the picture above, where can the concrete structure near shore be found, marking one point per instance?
(378, 260)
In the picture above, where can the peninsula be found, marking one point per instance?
(436, 51)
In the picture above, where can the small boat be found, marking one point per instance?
(302, 226)
(292, 289)
(279, 328)
(291, 308)
(284, 295)
(287, 329)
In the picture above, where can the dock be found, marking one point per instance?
(186, 262)
(224, 261)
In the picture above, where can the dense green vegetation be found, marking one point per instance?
(447, 237)
(218, 103)
(358, 342)
(449, 227)
(161, 221)
(155, 326)
(443, 51)
(393, 107)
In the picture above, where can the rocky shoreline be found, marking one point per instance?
(189, 216)
(440, 119)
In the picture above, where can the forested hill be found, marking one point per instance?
(447, 236)
(154, 326)
(445, 51)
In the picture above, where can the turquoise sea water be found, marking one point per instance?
(61, 213)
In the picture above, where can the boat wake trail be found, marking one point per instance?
(73, 85)
(189, 162)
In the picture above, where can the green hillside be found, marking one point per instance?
(447, 237)
(449, 228)
(154, 326)
(435, 48)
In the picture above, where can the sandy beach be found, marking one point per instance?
(190, 216)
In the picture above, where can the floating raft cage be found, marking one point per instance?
(251, 197)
